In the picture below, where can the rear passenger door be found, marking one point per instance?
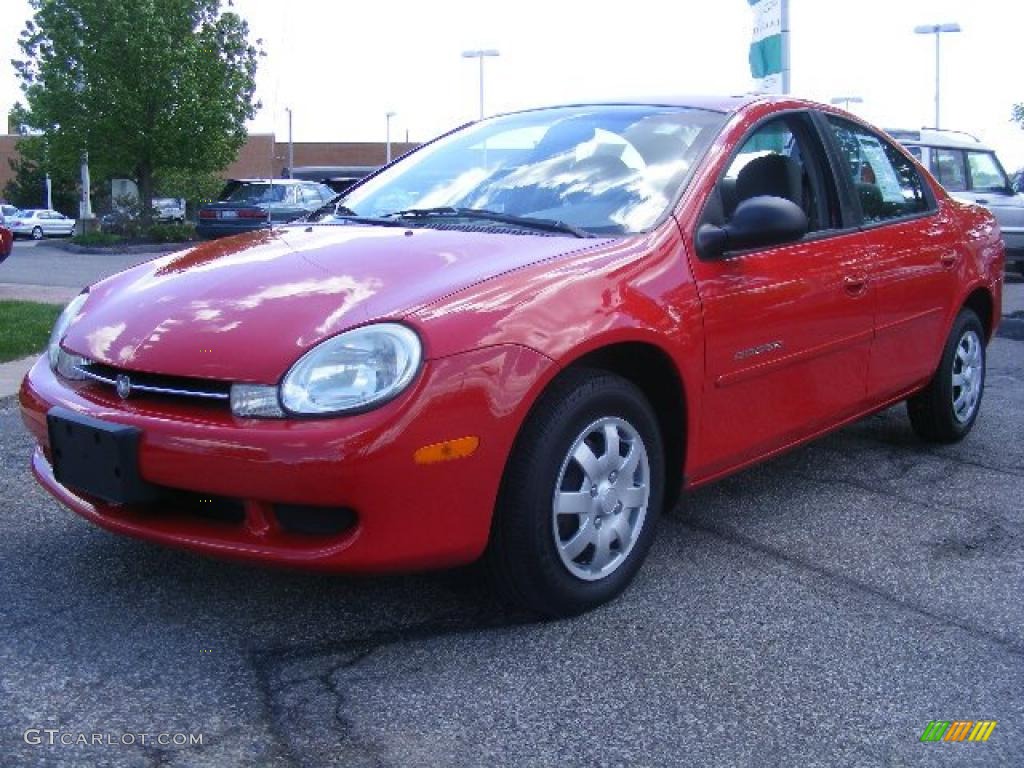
(787, 328)
(915, 253)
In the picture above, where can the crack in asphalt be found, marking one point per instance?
(1011, 645)
(886, 490)
(273, 661)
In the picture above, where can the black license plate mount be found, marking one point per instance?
(98, 458)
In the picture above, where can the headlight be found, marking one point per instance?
(353, 371)
(53, 350)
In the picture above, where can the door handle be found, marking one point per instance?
(949, 260)
(855, 285)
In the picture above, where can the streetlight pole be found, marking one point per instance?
(937, 30)
(387, 117)
(846, 101)
(291, 147)
(480, 54)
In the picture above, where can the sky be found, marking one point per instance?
(340, 66)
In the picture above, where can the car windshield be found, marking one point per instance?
(258, 193)
(598, 169)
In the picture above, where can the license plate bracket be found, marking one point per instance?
(98, 458)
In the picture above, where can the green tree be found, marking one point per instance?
(146, 87)
(1018, 113)
(195, 188)
(28, 187)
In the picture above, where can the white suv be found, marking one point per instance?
(971, 171)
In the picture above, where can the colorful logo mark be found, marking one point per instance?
(958, 730)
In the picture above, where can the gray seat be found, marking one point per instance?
(775, 175)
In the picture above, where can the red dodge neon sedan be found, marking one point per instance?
(521, 341)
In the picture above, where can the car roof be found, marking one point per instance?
(275, 182)
(715, 103)
(935, 137)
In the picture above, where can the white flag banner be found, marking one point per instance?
(766, 46)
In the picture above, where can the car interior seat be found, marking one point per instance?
(775, 175)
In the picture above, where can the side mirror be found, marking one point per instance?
(758, 222)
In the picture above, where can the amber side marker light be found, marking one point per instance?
(460, 448)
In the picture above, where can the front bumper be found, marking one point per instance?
(408, 515)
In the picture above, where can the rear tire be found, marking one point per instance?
(580, 498)
(37, 233)
(946, 409)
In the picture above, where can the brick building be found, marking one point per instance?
(7, 154)
(262, 155)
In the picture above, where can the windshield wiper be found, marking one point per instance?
(543, 225)
(334, 208)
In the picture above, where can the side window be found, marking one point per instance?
(310, 195)
(948, 168)
(887, 183)
(782, 158)
(985, 172)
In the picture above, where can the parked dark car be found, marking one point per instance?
(248, 204)
(338, 177)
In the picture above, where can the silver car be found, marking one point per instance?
(971, 171)
(40, 222)
(7, 212)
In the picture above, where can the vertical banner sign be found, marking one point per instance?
(766, 46)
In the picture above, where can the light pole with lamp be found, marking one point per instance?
(387, 117)
(480, 54)
(291, 148)
(937, 30)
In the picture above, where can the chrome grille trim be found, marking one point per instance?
(154, 389)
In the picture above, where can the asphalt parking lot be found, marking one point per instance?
(818, 610)
(42, 263)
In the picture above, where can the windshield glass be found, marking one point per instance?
(602, 169)
(258, 193)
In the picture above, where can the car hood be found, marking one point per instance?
(246, 307)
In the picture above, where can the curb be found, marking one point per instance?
(11, 374)
(156, 248)
(45, 294)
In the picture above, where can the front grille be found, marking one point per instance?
(189, 503)
(314, 521)
(126, 383)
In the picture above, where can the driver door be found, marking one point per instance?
(788, 328)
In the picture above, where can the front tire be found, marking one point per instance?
(946, 409)
(580, 498)
(37, 233)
